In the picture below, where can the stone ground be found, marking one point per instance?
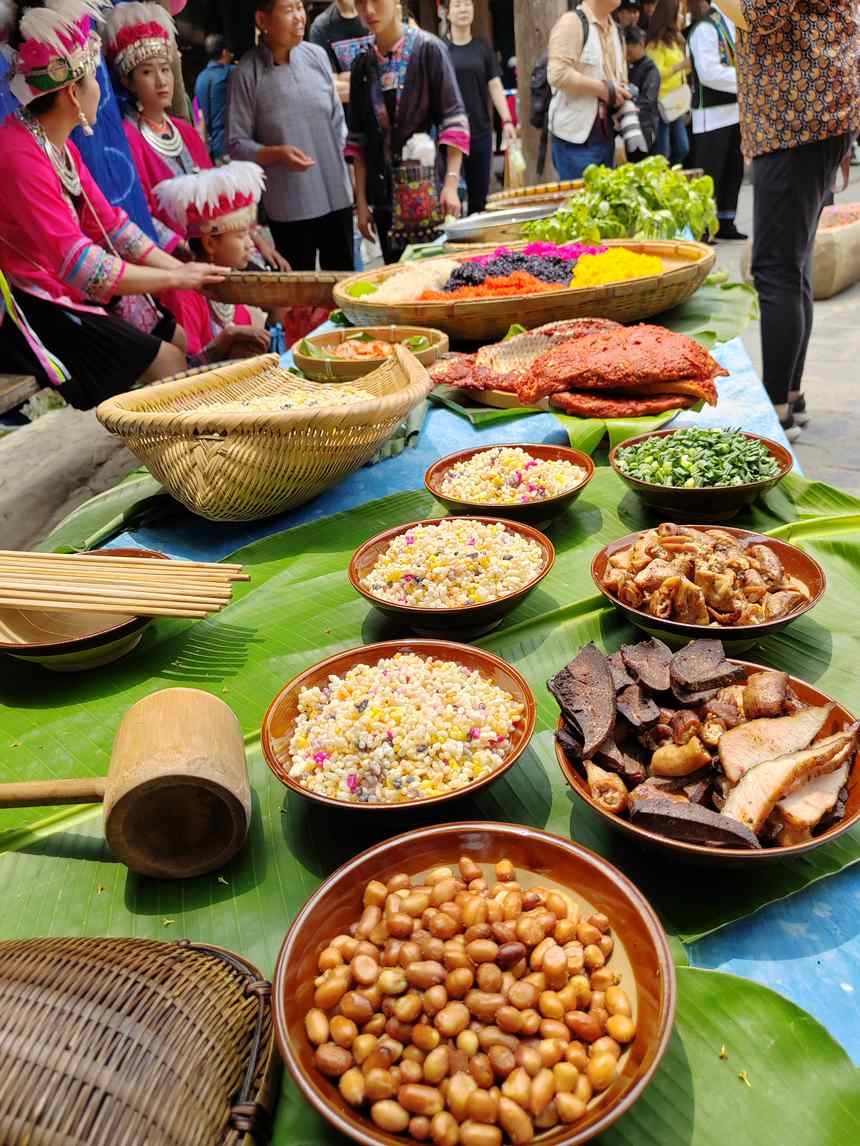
(55, 464)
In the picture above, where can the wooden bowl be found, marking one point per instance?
(534, 512)
(714, 503)
(473, 620)
(735, 638)
(278, 721)
(342, 370)
(338, 903)
(69, 642)
(703, 853)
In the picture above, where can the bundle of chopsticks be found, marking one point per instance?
(136, 586)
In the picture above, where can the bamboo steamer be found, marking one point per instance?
(277, 288)
(177, 800)
(686, 264)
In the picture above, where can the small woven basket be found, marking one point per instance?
(278, 288)
(242, 466)
(131, 1042)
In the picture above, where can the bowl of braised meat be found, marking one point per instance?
(681, 581)
(711, 758)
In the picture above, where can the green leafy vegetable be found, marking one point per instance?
(360, 289)
(417, 343)
(359, 336)
(338, 318)
(310, 350)
(513, 331)
(647, 200)
(695, 458)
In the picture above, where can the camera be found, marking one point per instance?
(628, 125)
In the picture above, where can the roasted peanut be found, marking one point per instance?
(424, 974)
(402, 1032)
(317, 1026)
(425, 1037)
(484, 1004)
(452, 1019)
(593, 957)
(518, 1087)
(479, 1134)
(419, 1127)
(529, 930)
(543, 1091)
(601, 1070)
(557, 904)
(408, 1008)
(576, 1055)
(482, 950)
(509, 1019)
(529, 1058)
(418, 1099)
(389, 1115)
(392, 981)
(460, 1086)
(605, 1045)
(489, 978)
(379, 1083)
(551, 1051)
(550, 1005)
(399, 882)
(504, 871)
(554, 966)
(584, 1090)
(435, 998)
(554, 1029)
(410, 1071)
(332, 989)
(481, 1068)
(602, 979)
(444, 1130)
(364, 1046)
(616, 1001)
(436, 1065)
(374, 1026)
(438, 873)
(565, 1075)
(443, 925)
(329, 958)
(565, 930)
(482, 1106)
(531, 1022)
(523, 995)
(548, 1118)
(352, 1086)
(621, 1028)
(569, 1107)
(467, 1042)
(515, 1121)
(332, 1060)
(469, 870)
(344, 1032)
(375, 894)
(583, 1026)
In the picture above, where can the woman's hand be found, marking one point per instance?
(271, 255)
(449, 198)
(509, 131)
(193, 276)
(238, 342)
(364, 218)
(294, 158)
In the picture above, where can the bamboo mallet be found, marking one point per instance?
(177, 801)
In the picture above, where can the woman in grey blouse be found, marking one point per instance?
(285, 114)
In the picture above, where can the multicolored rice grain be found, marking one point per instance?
(508, 475)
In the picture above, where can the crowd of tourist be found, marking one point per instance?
(364, 124)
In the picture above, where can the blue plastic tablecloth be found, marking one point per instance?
(807, 946)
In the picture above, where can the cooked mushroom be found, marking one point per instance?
(680, 759)
(754, 797)
(607, 790)
(764, 694)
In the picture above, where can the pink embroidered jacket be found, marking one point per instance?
(154, 169)
(52, 246)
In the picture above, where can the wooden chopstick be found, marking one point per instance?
(60, 590)
(73, 606)
(214, 568)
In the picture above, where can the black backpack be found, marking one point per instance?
(540, 91)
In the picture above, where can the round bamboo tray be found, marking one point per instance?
(483, 320)
(246, 465)
(549, 193)
(277, 288)
(347, 370)
(110, 1042)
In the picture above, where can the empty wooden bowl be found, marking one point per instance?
(642, 955)
(532, 512)
(735, 638)
(348, 369)
(466, 620)
(711, 503)
(704, 853)
(69, 642)
(279, 720)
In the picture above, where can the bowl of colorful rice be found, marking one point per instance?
(532, 483)
(451, 574)
(398, 723)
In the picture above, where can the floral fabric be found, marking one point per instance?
(798, 77)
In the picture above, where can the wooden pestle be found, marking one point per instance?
(177, 801)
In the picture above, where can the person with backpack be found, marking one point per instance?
(587, 72)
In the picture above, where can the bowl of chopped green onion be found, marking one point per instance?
(699, 474)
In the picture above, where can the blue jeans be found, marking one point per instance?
(571, 159)
(672, 140)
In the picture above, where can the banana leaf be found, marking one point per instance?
(100, 517)
(719, 311)
(299, 608)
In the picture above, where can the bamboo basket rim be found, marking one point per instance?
(127, 415)
(288, 277)
(701, 258)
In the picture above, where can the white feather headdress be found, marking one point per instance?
(58, 46)
(212, 202)
(135, 33)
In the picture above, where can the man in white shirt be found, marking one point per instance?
(716, 131)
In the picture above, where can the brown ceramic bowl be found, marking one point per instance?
(534, 512)
(715, 503)
(466, 620)
(338, 903)
(735, 638)
(278, 721)
(73, 642)
(702, 853)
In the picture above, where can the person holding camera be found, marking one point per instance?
(587, 72)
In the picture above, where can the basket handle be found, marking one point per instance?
(37, 793)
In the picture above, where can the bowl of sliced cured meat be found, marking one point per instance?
(588, 367)
(685, 581)
(713, 759)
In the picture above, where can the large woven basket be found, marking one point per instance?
(242, 466)
(131, 1042)
(481, 320)
(548, 192)
(278, 288)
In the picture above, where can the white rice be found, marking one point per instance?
(407, 728)
(509, 476)
(408, 284)
(457, 562)
(322, 395)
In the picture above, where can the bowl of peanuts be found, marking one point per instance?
(474, 984)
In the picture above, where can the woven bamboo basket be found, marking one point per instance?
(242, 466)
(278, 288)
(482, 320)
(126, 1042)
(346, 369)
(548, 193)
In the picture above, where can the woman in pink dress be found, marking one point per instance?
(66, 253)
(141, 42)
